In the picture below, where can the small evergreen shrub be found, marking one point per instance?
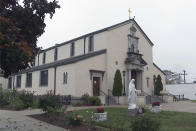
(158, 85)
(145, 123)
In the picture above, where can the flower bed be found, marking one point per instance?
(100, 115)
(156, 107)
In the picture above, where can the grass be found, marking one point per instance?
(170, 121)
(193, 100)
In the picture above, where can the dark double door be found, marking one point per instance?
(96, 86)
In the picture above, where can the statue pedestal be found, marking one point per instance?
(132, 112)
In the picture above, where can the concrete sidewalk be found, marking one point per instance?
(181, 106)
(18, 121)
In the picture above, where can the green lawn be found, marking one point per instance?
(170, 121)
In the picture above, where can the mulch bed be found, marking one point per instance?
(60, 121)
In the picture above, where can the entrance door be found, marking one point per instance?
(134, 76)
(96, 86)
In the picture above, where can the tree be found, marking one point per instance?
(158, 85)
(20, 26)
(117, 86)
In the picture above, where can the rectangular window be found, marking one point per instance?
(10, 82)
(91, 44)
(147, 80)
(29, 80)
(55, 54)
(65, 77)
(44, 78)
(18, 81)
(44, 57)
(72, 49)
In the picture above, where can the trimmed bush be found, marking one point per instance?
(94, 101)
(49, 101)
(85, 98)
(145, 123)
(117, 86)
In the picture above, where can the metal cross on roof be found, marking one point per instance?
(129, 13)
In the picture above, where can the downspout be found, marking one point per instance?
(38, 60)
(13, 81)
(55, 80)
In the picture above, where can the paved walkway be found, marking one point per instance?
(19, 120)
(182, 106)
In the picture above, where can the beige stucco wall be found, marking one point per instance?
(69, 88)
(83, 83)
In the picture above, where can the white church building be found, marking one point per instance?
(87, 64)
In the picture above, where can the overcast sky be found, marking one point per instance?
(170, 24)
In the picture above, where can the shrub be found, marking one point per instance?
(94, 100)
(74, 119)
(35, 104)
(117, 85)
(85, 98)
(49, 100)
(158, 85)
(145, 123)
(27, 98)
(17, 104)
(4, 99)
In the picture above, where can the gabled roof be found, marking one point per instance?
(100, 31)
(159, 69)
(64, 61)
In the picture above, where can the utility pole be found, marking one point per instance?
(184, 74)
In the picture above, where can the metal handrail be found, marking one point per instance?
(102, 92)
